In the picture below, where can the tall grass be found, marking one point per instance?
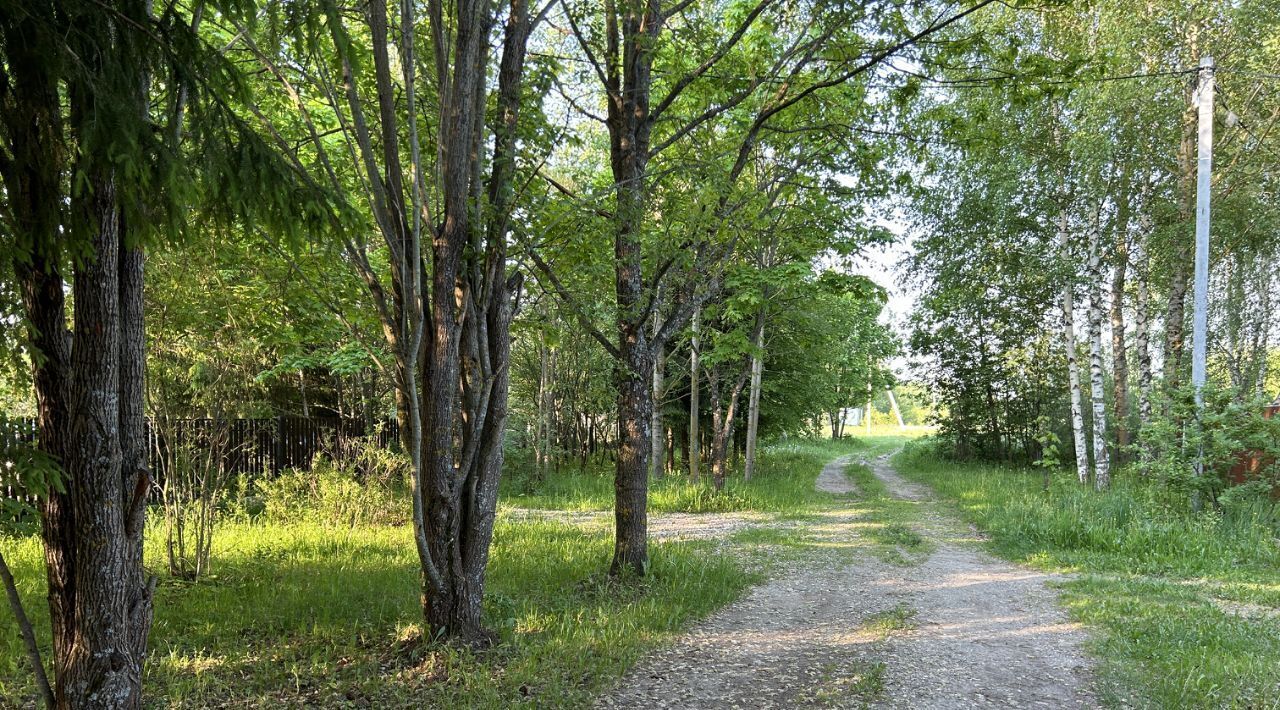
(1135, 527)
(1163, 585)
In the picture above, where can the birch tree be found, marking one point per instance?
(1097, 392)
(1078, 436)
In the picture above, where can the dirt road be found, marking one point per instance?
(841, 626)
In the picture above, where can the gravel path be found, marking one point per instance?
(972, 631)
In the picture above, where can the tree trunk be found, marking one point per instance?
(1180, 276)
(630, 140)
(1101, 460)
(100, 605)
(541, 429)
(88, 383)
(1142, 350)
(657, 449)
(717, 427)
(868, 398)
(684, 439)
(753, 399)
(1119, 349)
(695, 370)
(893, 404)
(1073, 371)
(723, 411)
(1142, 315)
(630, 552)
(450, 341)
(671, 450)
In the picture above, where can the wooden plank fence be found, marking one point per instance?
(249, 446)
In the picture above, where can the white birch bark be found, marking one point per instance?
(893, 404)
(694, 369)
(1097, 394)
(658, 452)
(868, 398)
(1142, 339)
(1073, 372)
(753, 399)
(657, 433)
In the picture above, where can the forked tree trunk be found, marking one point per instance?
(723, 412)
(451, 342)
(91, 417)
(469, 345)
(1078, 436)
(88, 382)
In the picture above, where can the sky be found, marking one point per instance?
(882, 265)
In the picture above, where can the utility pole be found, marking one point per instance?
(868, 396)
(893, 403)
(1200, 314)
(1204, 170)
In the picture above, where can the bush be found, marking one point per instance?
(328, 495)
(1217, 437)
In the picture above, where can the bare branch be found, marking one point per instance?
(28, 635)
(683, 82)
(601, 74)
(572, 303)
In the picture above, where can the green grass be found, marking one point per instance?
(860, 681)
(305, 608)
(306, 614)
(783, 483)
(889, 518)
(901, 617)
(1150, 575)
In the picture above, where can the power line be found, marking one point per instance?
(1254, 74)
(1240, 123)
(981, 81)
(933, 82)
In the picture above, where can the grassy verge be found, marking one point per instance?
(318, 607)
(783, 483)
(1162, 584)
